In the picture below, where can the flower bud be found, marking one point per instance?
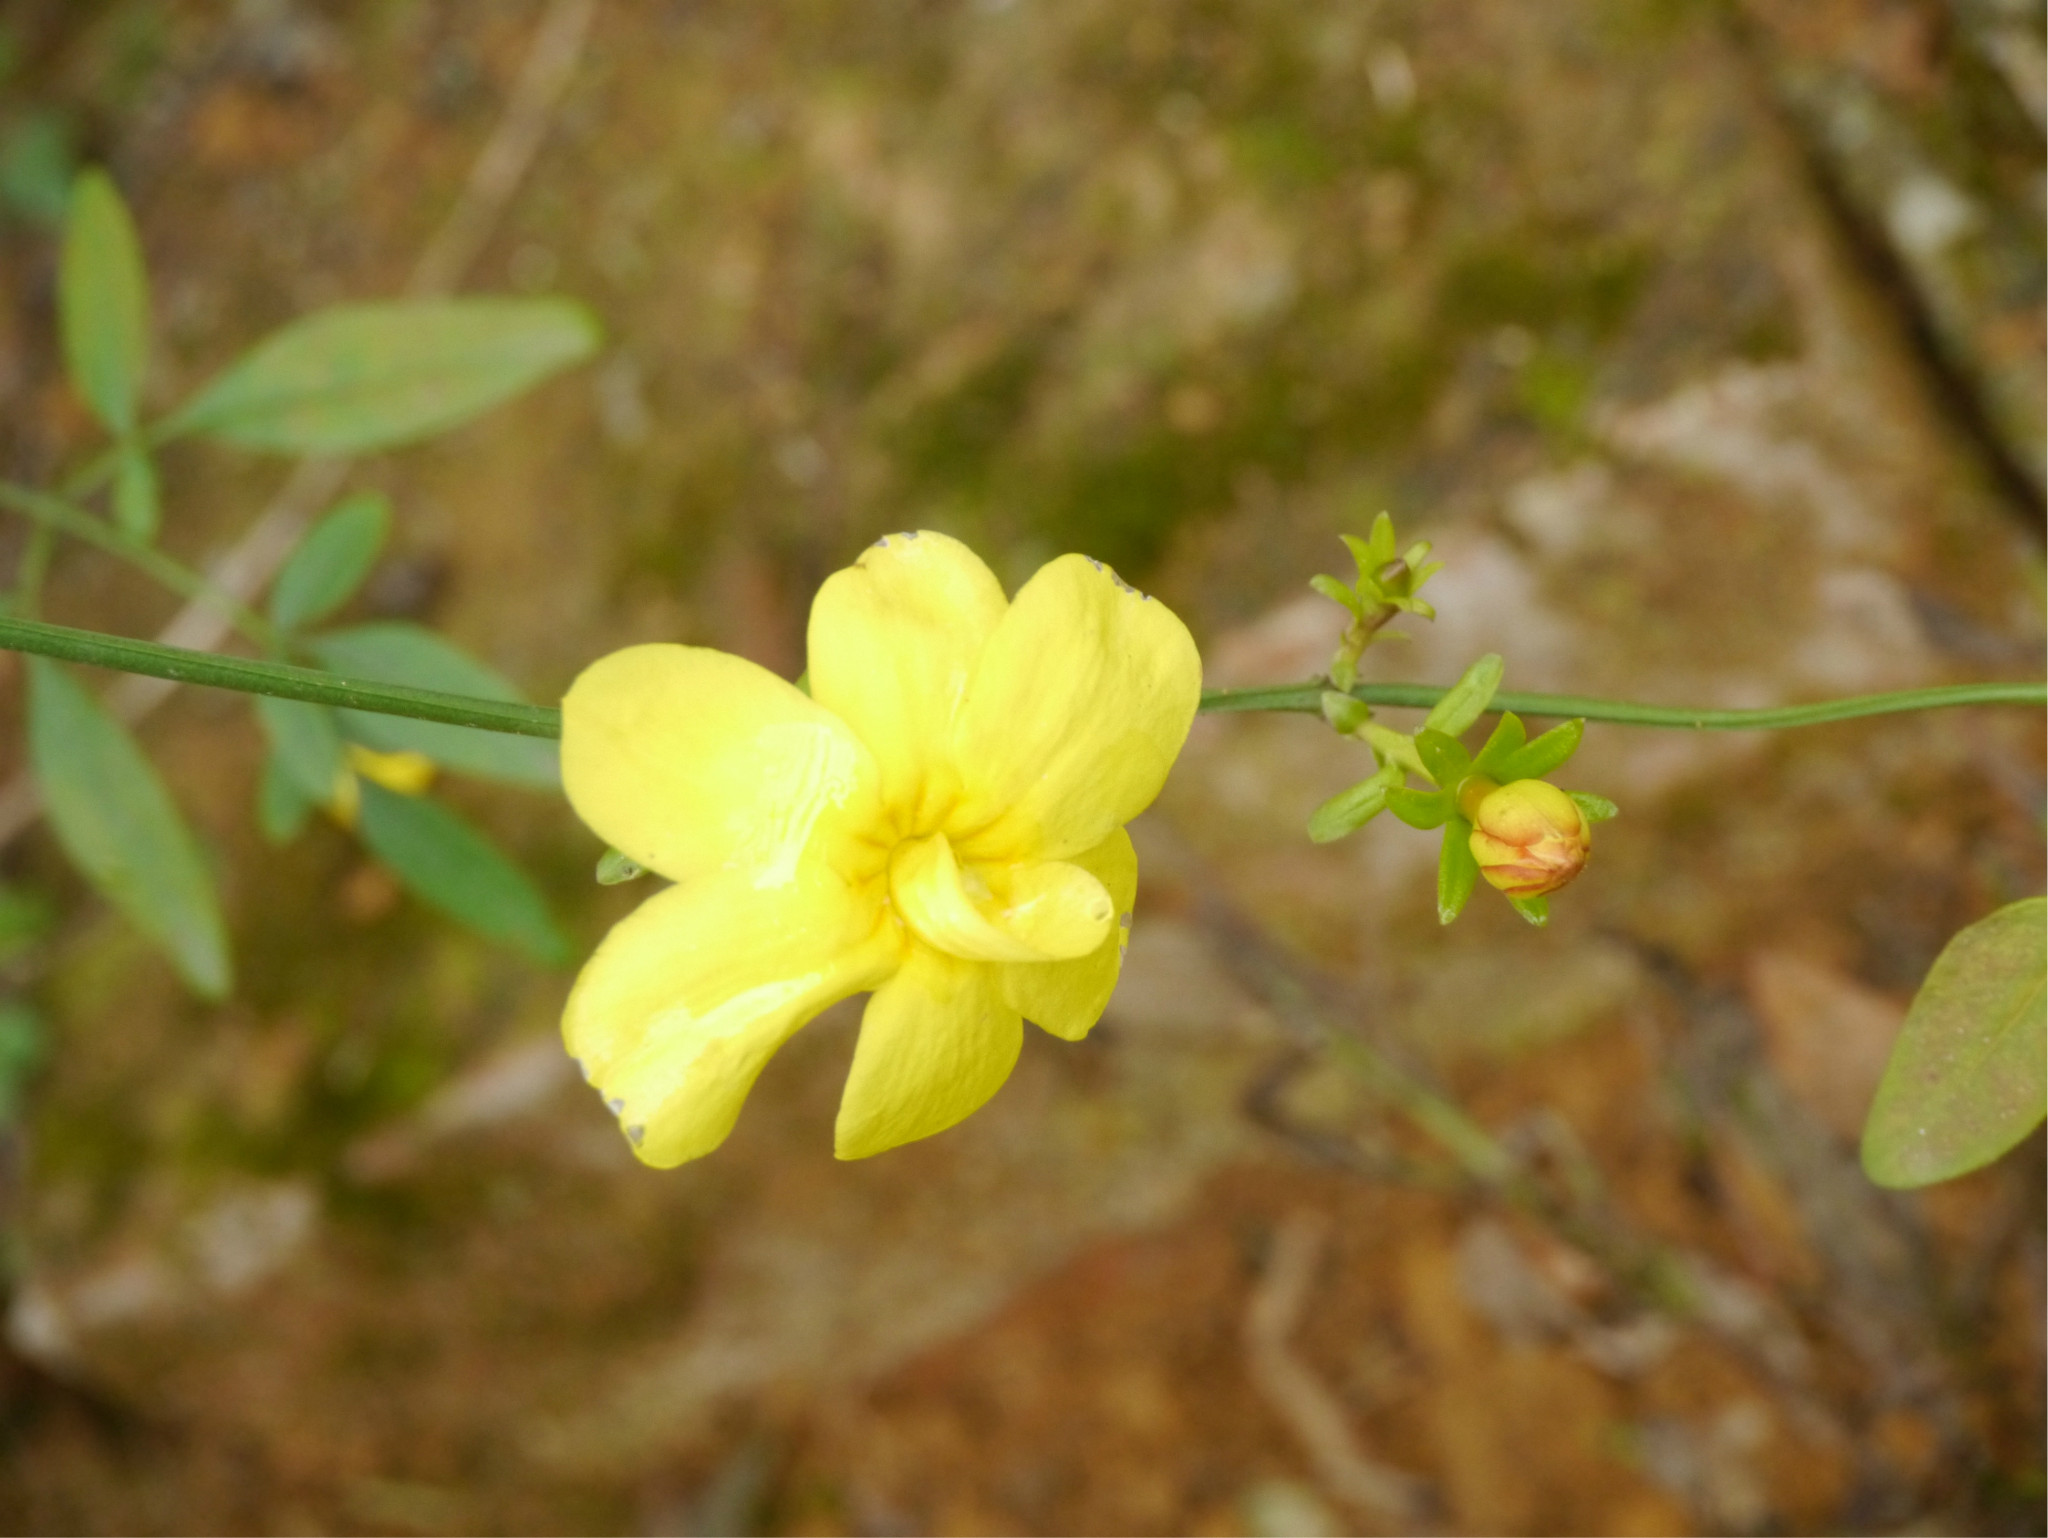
(1529, 838)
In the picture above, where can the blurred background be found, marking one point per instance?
(1704, 339)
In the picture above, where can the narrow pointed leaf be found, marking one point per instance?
(1535, 909)
(1467, 699)
(1595, 808)
(1508, 735)
(135, 492)
(305, 743)
(103, 302)
(1394, 747)
(1419, 808)
(1456, 870)
(1967, 1080)
(1335, 591)
(1349, 810)
(398, 653)
(331, 561)
(1444, 757)
(1541, 755)
(359, 377)
(450, 866)
(120, 827)
(281, 806)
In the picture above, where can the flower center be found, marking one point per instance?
(1035, 910)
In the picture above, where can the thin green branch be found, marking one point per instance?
(64, 518)
(1307, 699)
(282, 679)
(321, 688)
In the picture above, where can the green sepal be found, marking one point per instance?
(1349, 810)
(614, 868)
(1444, 758)
(1507, 738)
(1541, 755)
(1535, 909)
(1467, 699)
(1419, 808)
(1346, 713)
(1456, 870)
(1594, 808)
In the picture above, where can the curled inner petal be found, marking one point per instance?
(1031, 911)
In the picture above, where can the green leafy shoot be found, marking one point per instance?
(450, 866)
(331, 562)
(614, 869)
(400, 653)
(103, 302)
(1387, 585)
(361, 377)
(1968, 1076)
(120, 827)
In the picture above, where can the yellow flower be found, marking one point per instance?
(1529, 838)
(940, 822)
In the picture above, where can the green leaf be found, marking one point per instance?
(331, 561)
(103, 302)
(614, 869)
(1467, 699)
(1535, 909)
(1419, 808)
(1506, 739)
(1335, 591)
(1349, 810)
(135, 492)
(1967, 1080)
(1394, 747)
(397, 653)
(1443, 757)
(1594, 808)
(371, 376)
(1456, 871)
(1539, 756)
(305, 742)
(281, 807)
(119, 825)
(452, 867)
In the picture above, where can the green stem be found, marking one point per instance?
(321, 688)
(281, 679)
(57, 514)
(1307, 700)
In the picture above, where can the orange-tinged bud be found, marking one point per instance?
(1529, 838)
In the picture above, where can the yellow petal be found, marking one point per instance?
(893, 642)
(691, 761)
(1082, 701)
(1038, 911)
(937, 1040)
(1068, 997)
(686, 999)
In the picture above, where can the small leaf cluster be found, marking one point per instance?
(1435, 755)
(1388, 584)
(350, 379)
